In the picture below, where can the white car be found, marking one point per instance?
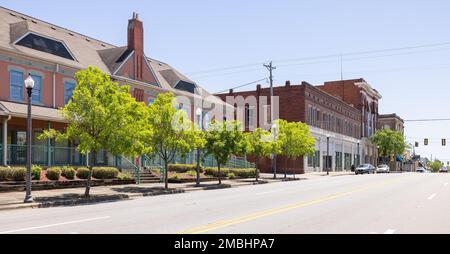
(383, 169)
(422, 170)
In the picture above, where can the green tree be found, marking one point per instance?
(173, 131)
(389, 142)
(295, 139)
(435, 165)
(260, 145)
(224, 139)
(103, 116)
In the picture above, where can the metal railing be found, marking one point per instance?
(45, 155)
(60, 156)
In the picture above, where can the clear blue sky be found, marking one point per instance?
(195, 36)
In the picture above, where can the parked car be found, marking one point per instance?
(365, 169)
(422, 170)
(383, 169)
(443, 170)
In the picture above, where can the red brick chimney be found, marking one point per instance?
(136, 43)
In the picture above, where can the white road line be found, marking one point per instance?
(268, 192)
(390, 232)
(54, 225)
(432, 196)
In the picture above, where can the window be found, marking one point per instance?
(249, 117)
(150, 101)
(68, 91)
(47, 45)
(186, 86)
(36, 96)
(338, 161)
(348, 161)
(16, 85)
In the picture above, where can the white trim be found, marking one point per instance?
(123, 63)
(151, 70)
(50, 38)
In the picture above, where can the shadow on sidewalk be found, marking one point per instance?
(144, 190)
(73, 199)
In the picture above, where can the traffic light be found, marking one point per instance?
(425, 142)
(417, 144)
(444, 142)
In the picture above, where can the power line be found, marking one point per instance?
(324, 57)
(428, 120)
(244, 85)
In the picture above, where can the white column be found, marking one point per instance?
(5, 142)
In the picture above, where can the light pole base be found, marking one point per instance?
(28, 199)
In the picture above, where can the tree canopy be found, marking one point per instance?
(173, 131)
(389, 142)
(102, 115)
(224, 139)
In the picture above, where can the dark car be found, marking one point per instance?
(365, 169)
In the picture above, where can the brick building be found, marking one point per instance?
(328, 116)
(391, 121)
(51, 55)
(359, 94)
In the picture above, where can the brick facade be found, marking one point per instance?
(309, 104)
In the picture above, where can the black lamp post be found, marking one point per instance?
(29, 85)
(328, 155)
(359, 155)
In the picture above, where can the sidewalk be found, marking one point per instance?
(308, 176)
(71, 197)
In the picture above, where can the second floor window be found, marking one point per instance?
(16, 85)
(36, 96)
(69, 87)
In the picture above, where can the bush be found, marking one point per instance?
(238, 172)
(36, 172)
(175, 176)
(125, 176)
(68, 173)
(231, 175)
(4, 174)
(53, 174)
(192, 173)
(12, 174)
(83, 173)
(105, 173)
(183, 168)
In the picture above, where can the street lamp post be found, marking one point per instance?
(199, 114)
(359, 154)
(328, 155)
(29, 85)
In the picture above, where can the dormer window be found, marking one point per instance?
(186, 86)
(46, 45)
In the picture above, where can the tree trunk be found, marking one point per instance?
(89, 180)
(257, 168)
(166, 175)
(220, 178)
(285, 167)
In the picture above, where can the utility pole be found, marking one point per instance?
(270, 68)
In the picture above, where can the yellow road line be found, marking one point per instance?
(254, 216)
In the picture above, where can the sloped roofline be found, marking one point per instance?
(56, 26)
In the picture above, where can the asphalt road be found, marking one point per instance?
(369, 204)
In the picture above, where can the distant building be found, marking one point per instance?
(359, 94)
(391, 121)
(325, 114)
